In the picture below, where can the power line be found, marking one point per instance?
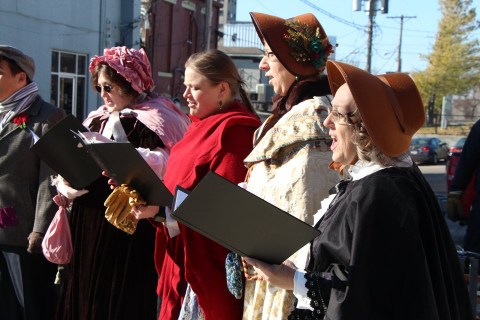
(263, 5)
(334, 17)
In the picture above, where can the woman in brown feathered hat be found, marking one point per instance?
(384, 251)
(289, 164)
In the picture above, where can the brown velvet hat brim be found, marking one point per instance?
(390, 105)
(272, 30)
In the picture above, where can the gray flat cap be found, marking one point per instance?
(21, 59)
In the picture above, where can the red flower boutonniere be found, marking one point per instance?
(21, 120)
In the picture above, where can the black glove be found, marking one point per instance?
(454, 206)
(35, 242)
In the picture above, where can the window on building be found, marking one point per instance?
(68, 86)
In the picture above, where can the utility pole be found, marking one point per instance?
(399, 59)
(371, 9)
(371, 18)
(208, 23)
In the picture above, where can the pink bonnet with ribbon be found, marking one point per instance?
(131, 64)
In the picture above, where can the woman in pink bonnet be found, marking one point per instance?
(112, 273)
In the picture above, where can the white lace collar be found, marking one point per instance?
(364, 168)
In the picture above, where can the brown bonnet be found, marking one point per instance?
(390, 105)
(300, 43)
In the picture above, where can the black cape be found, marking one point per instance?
(388, 240)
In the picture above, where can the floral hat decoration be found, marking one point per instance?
(300, 43)
(131, 64)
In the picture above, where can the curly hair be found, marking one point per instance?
(366, 149)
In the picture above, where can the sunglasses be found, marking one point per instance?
(107, 88)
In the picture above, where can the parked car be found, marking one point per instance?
(469, 193)
(428, 150)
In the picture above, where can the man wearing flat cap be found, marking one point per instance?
(26, 206)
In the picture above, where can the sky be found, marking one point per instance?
(349, 27)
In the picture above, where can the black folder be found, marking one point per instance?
(58, 148)
(242, 222)
(82, 164)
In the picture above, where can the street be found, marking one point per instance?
(435, 175)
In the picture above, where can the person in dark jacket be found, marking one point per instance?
(26, 206)
(468, 166)
(384, 251)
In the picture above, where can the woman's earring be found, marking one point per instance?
(220, 104)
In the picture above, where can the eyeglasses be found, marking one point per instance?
(107, 88)
(341, 118)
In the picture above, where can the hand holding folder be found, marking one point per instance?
(80, 166)
(240, 221)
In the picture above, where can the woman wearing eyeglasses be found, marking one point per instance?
(289, 166)
(384, 251)
(112, 273)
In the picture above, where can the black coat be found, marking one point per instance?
(391, 246)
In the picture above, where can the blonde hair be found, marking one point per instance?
(216, 66)
(365, 147)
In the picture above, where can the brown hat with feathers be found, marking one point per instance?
(300, 43)
(390, 105)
